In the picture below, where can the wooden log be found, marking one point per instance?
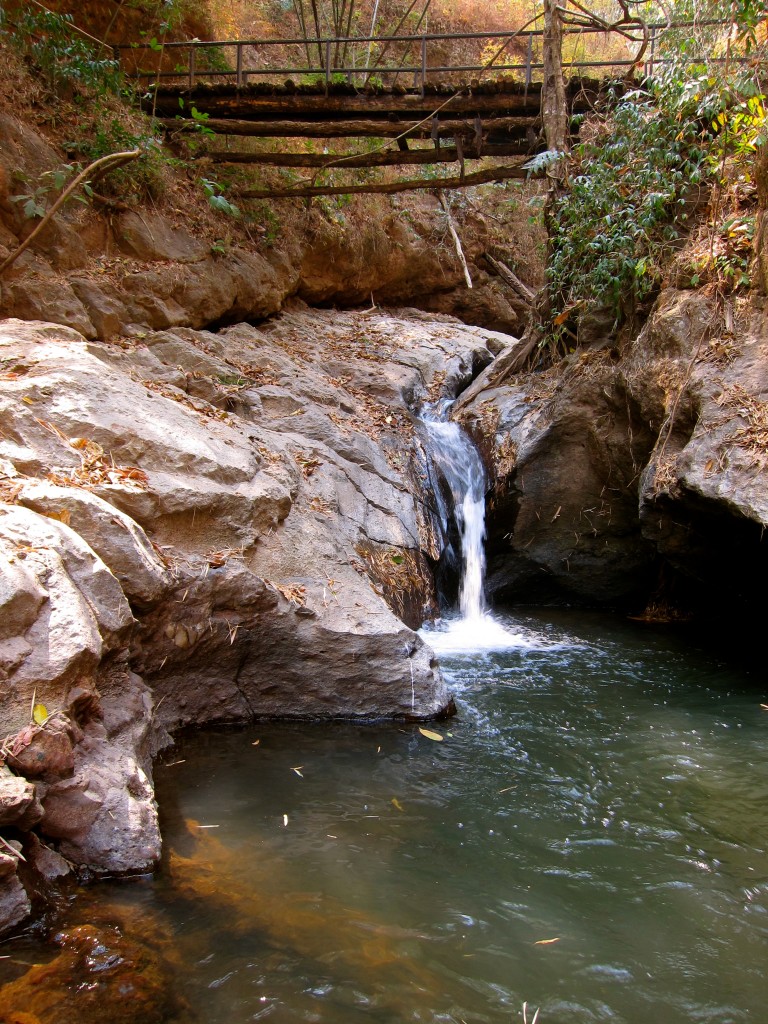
(349, 128)
(511, 279)
(478, 178)
(387, 158)
(304, 106)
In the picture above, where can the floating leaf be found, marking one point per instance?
(298, 771)
(396, 804)
(546, 942)
(431, 735)
(285, 821)
(40, 714)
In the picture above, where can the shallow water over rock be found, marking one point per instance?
(589, 837)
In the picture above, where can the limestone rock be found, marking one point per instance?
(85, 613)
(117, 540)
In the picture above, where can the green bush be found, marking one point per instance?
(60, 53)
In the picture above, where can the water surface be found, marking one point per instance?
(589, 837)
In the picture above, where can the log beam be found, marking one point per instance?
(349, 129)
(309, 191)
(387, 158)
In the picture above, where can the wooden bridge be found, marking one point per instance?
(399, 88)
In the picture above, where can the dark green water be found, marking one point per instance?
(602, 785)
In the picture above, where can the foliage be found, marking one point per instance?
(214, 193)
(685, 136)
(49, 181)
(112, 132)
(611, 231)
(50, 41)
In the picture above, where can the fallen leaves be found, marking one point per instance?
(297, 595)
(430, 735)
(308, 464)
(95, 466)
(546, 942)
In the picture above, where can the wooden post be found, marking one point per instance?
(649, 62)
(423, 65)
(529, 61)
(191, 67)
(239, 66)
(554, 110)
(327, 65)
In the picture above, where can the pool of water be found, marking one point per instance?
(588, 837)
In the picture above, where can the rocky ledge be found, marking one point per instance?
(201, 527)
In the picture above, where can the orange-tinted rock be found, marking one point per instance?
(100, 976)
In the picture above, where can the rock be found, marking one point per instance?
(104, 309)
(31, 291)
(153, 238)
(48, 755)
(15, 905)
(563, 520)
(117, 540)
(19, 805)
(21, 596)
(49, 865)
(85, 613)
(105, 816)
(100, 975)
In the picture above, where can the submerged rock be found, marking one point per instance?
(99, 975)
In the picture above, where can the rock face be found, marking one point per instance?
(201, 527)
(637, 474)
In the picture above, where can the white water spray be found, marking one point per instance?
(460, 471)
(458, 483)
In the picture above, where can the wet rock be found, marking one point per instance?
(47, 863)
(15, 905)
(564, 451)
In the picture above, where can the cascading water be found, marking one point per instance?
(458, 481)
(456, 463)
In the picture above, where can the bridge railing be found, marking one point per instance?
(326, 60)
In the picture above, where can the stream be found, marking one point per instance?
(586, 838)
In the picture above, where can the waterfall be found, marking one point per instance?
(456, 464)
